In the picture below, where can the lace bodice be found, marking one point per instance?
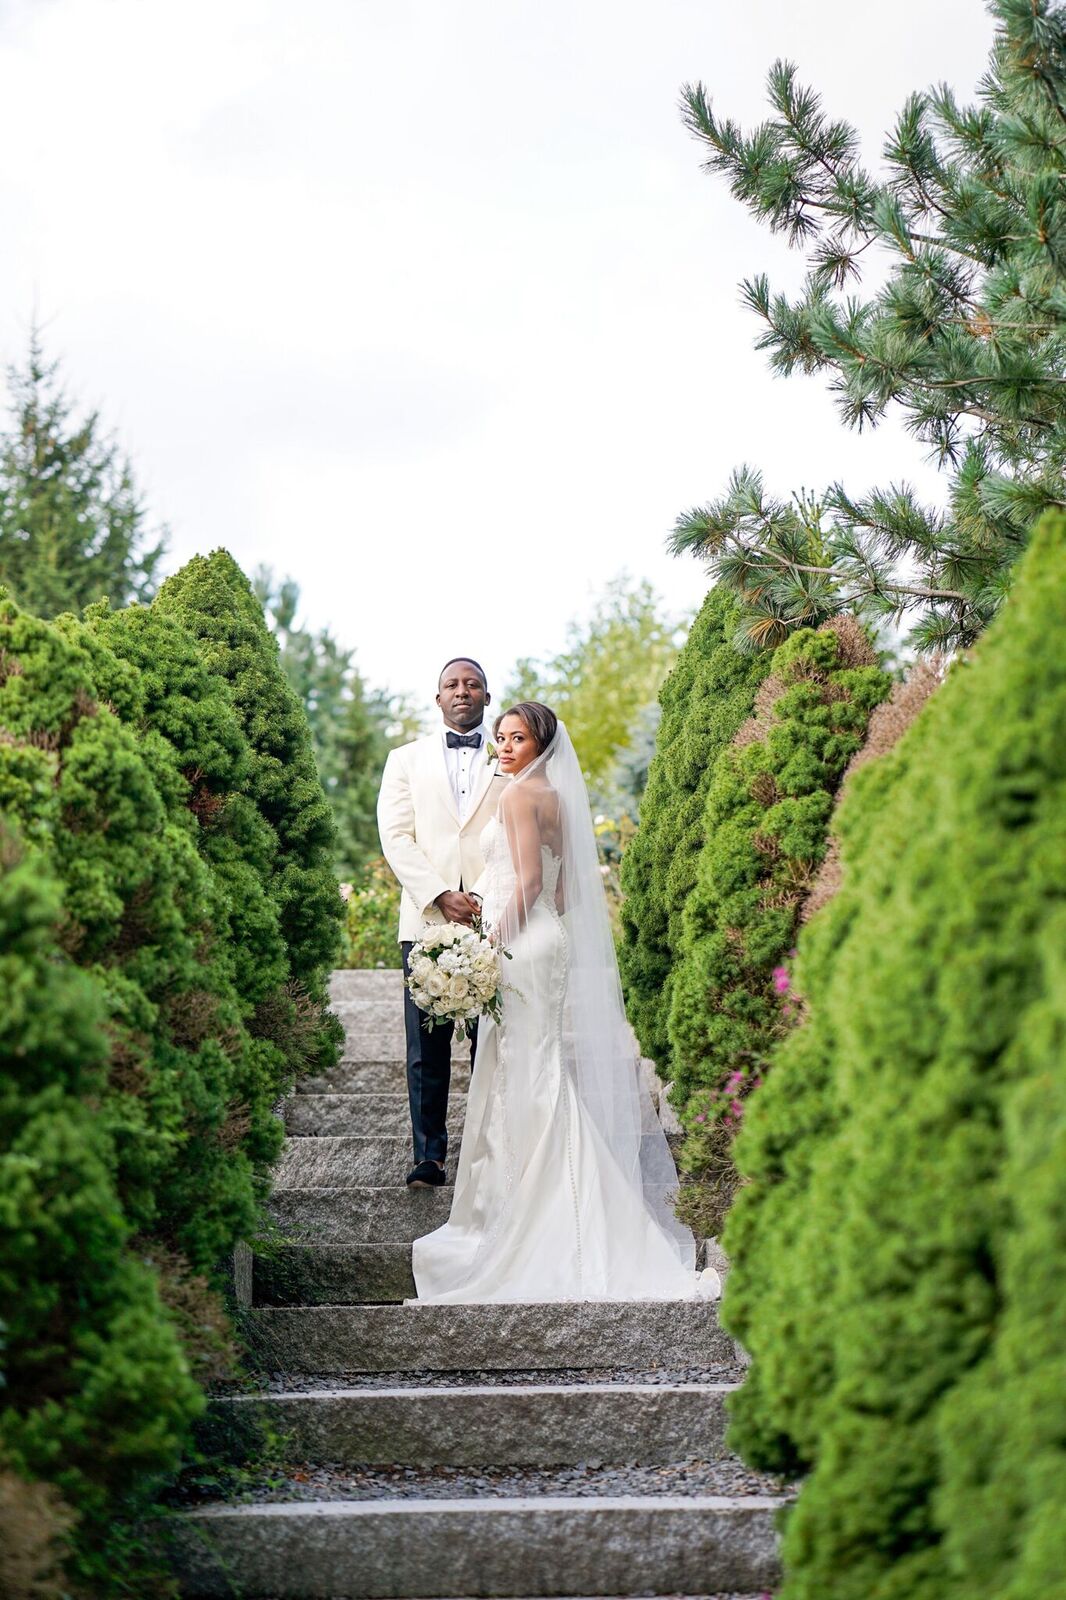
(499, 878)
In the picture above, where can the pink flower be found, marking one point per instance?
(782, 981)
(702, 1117)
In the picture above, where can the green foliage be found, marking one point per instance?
(611, 669)
(965, 338)
(71, 520)
(764, 834)
(97, 1395)
(899, 1248)
(704, 700)
(167, 818)
(213, 599)
(373, 909)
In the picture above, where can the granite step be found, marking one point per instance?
(346, 1160)
(385, 1040)
(387, 1076)
(358, 1215)
(546, 1546)
(539, 1425)
(367, 983)
(450, 1338)
(367, 1115)
(333, 1274)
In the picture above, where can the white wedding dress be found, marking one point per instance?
(551, 1202)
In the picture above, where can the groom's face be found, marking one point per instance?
(462, 696)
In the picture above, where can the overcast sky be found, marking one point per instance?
(427, 303)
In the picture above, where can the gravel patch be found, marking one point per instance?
(588, 1479)
(310, 1382)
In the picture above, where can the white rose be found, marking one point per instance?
(435, 983)
(421, 968)
(459, 987)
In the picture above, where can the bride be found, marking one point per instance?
(564, 1179)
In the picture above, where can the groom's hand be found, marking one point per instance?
(455, 906)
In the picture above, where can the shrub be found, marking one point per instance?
(372, 916)
(97, 1397)
(213, 599)
(899, 1247)
(764, 833)
(704, 700)
(170, 991)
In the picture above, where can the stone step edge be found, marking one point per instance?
(488, 1506)
(445, 1391)
(489, 1546)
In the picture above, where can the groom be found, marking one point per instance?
(436, 796)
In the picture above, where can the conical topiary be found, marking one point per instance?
(899, 1250)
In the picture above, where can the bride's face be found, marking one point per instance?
(515, 745)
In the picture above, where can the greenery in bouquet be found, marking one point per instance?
(455, 975)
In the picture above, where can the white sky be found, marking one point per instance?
(427, 303)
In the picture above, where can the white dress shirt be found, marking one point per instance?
(464, 767)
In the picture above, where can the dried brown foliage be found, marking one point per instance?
(205, 804)
(191, 1017)
(854, 647)
(760, 722)
(198, 1310)
(888, 723)
(289, 1018)
(34, 1523)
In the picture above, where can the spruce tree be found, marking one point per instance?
(965, 339)
(72, 523)
(704, 700)
(899, 1246)
(212, 598)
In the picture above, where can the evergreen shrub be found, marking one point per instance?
(162, 991)
(212, 598)
(765, 824)
(704, 700)
(899, 1247)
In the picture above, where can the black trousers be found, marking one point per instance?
(429, 1074)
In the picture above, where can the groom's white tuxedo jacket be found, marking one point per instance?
(422, 838)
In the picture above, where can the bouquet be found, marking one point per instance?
(455, 975)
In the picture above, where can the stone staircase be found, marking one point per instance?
(520, 1450)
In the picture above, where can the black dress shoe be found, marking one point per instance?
(427, 1175)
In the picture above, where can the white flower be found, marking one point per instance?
(459, 987)
(435, 983)
(448, 961)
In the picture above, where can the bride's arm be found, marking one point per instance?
(518, 813)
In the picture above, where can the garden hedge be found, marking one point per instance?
(900, 1246)
(704, 700)
(765, 821)
(161, 993)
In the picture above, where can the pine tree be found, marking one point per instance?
(966, 338)
(72, 523)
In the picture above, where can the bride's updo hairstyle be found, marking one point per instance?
(540, 720)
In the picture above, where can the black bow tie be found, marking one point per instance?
(463, 741)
